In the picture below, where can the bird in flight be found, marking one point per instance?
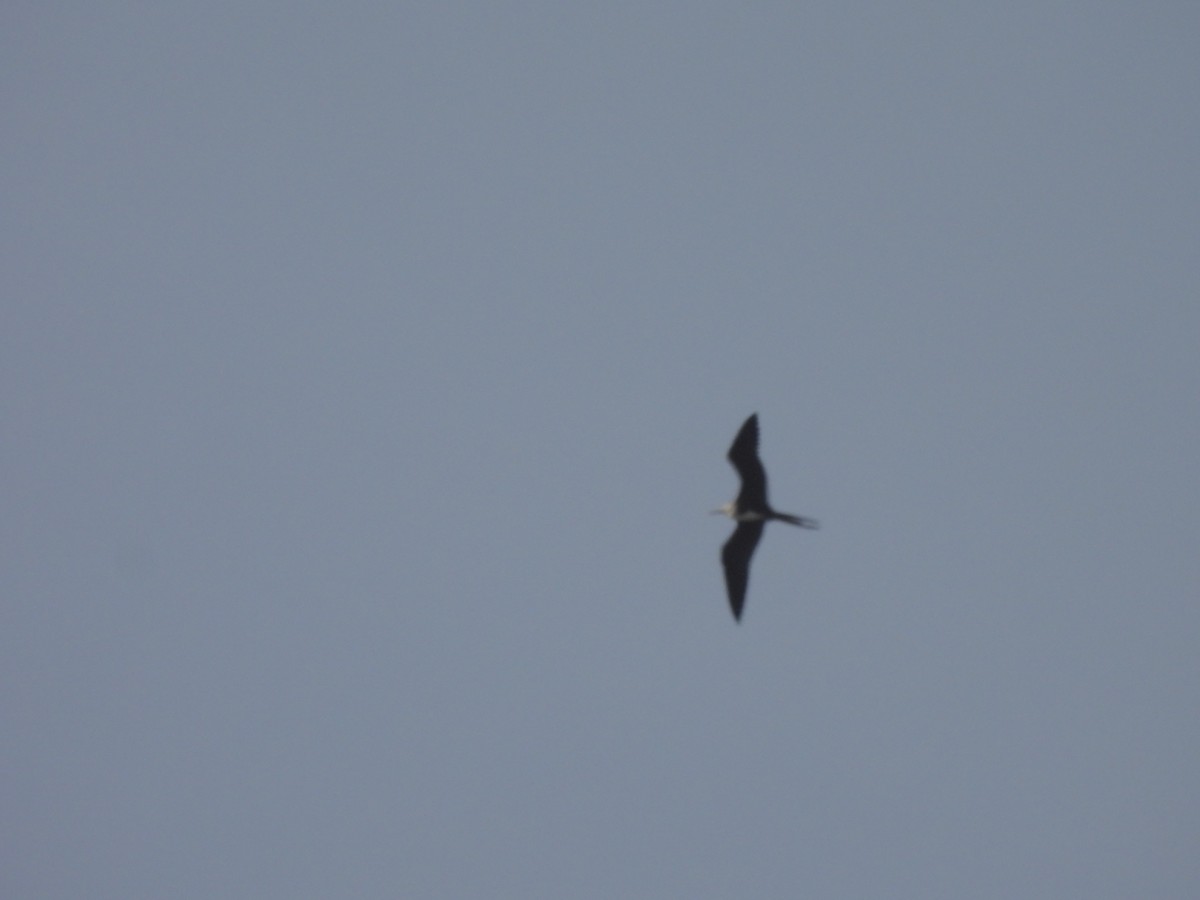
(751, 511)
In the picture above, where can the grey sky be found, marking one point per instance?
(367, 372)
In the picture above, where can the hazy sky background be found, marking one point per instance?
(367, 373)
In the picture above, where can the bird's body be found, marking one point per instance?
(751, 511)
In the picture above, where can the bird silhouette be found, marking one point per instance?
(751, 511)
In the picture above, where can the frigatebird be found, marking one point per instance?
(751, 511)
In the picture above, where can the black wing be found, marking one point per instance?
(735, 557)
(743, 453)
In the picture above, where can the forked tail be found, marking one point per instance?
(795, 520)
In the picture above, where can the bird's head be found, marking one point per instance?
(726, 510)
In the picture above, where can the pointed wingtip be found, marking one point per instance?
(736, 608)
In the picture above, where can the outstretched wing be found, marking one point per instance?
(735, 557)
(743, 453)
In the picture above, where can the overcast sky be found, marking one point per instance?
(367, 373)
